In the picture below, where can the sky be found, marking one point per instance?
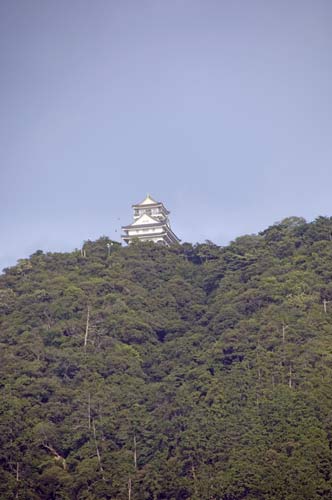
(220, 109)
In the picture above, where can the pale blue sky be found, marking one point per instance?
(221, 109)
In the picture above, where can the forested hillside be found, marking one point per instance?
(151, 373)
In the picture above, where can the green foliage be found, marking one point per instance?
(190, 372)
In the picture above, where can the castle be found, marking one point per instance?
(151, 223)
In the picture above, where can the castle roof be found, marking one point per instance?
(145, 220)
(148, 201)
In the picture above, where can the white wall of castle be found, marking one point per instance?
(149, 211)
(148, 230)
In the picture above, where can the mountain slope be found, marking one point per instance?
(170, 373)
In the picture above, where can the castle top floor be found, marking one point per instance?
(150, 207)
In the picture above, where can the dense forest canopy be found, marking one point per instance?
(151, 373)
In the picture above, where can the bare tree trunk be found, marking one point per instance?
(259, 374)
(193, 472)
(87, 328)
(284, 328)
(129, 489)
(97, 450)
(57, 456)
(135, 452)
(325, 302)
(17, 478)
(89, 411)
(290, 377)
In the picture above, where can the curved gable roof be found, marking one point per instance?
(149, 201)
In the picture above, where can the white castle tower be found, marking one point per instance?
(151, 223)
